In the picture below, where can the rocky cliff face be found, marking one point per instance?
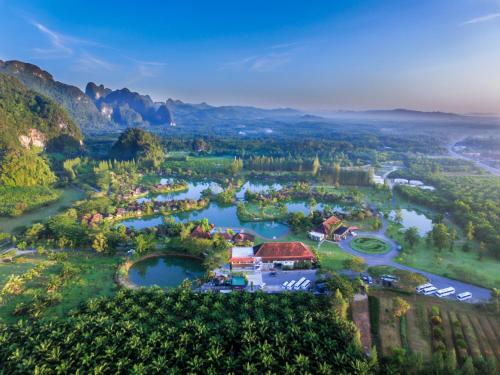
(128, 108)
(80, 107)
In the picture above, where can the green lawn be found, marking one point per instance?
(95, 279)
(370, 245)
(456, 264)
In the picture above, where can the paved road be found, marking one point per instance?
(480, 164)
(479, 294)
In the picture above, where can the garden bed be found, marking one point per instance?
(370, 245)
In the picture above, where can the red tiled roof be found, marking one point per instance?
(284, 251)
(326, 226)
(198, 232)
(241, 237)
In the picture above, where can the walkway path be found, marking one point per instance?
(387, 259)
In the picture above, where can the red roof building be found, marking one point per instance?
(284, 252)
(199, 232)
(328, 225)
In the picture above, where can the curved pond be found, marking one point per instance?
(165, 271)
(412, 218)
(221, 216)
(256, 188)
(193, 191)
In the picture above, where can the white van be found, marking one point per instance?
(464, 296)
(290, 285)
(445, 292)
(299, 283)
(306, 284)
(420, 288)
(430, 290)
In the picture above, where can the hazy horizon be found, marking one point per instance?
(426, 55)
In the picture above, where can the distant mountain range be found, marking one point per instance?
(403, 114)
(100, 109)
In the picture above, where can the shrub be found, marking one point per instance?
(437, 333)
(436, 320)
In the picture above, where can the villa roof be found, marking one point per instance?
(326, 226)
(284, 251)
(341, 230)
(198, 232)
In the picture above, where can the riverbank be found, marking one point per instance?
(68, 196)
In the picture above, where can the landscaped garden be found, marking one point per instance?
(370, 245)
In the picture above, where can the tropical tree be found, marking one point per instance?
(411, 236)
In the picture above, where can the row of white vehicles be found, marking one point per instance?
(302, 284)
(429, 289)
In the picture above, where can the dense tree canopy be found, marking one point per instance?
(140, 145)
(25, 168)
(150, 331)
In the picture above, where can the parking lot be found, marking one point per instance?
(273, 283)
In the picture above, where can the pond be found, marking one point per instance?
(412, 218)
(165, 271)
(68, 196)
(193, 192)
(221, 216)
(256, 188)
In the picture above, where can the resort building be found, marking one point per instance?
(283, 254)
(341, 233)
(325, 230)
(243, 259)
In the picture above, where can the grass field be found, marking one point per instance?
(467, 329)
(455, 264)
(95, 278)
(370, 245)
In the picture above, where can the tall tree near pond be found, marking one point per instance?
(315, 166)
(469, 230)
(412, 237)
(398, 217)
(440, 236)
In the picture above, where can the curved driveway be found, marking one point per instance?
(479, 294)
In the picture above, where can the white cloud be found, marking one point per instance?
(57, 41)
(89, 62)
(269, 62)
(481, 19)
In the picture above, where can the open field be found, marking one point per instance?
(456, 264)
(81, 275)
(370, 245)
(467, 329)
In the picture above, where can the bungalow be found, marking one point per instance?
(243, 237)
(199, 232)
(341, 233)
(283, 254)
(325, 229)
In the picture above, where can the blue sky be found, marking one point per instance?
(333, 54)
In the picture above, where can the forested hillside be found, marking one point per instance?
(30, 119)
(79, 106)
